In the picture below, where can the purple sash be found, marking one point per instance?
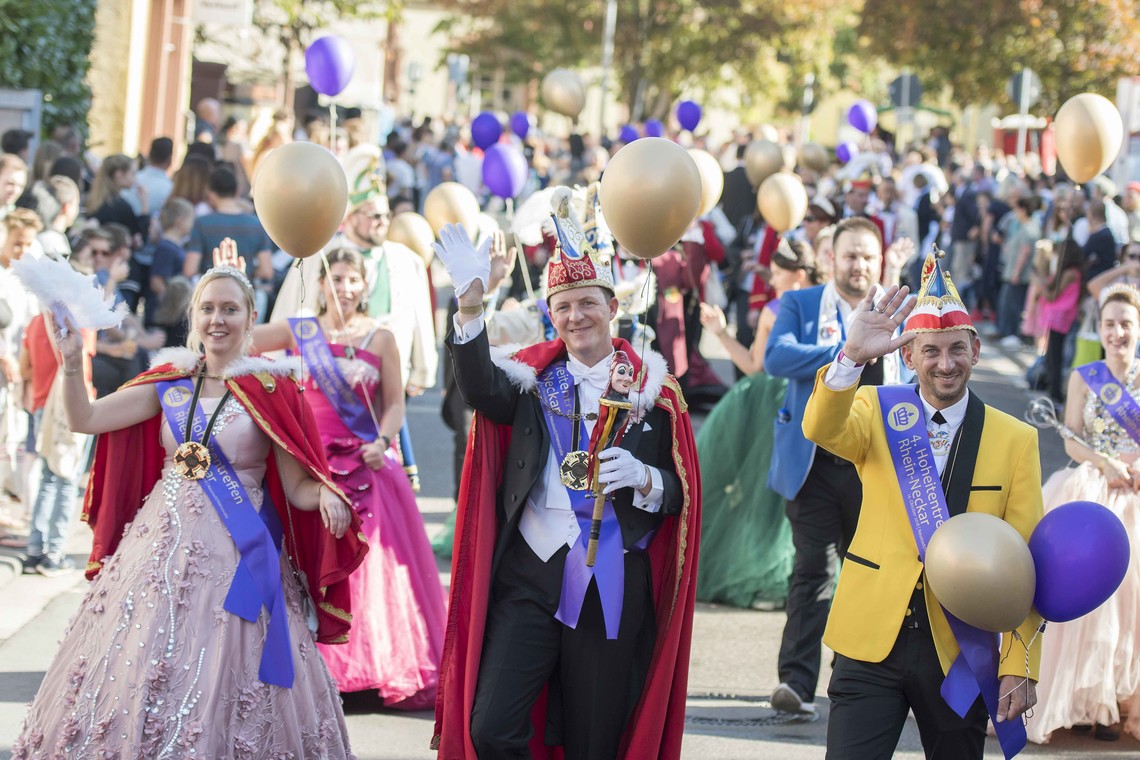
(257, 580)
(975, 670)
(556, 389)
(1116, 399)
(329, 379)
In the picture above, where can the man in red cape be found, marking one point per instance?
(128, 463)
(509, 678)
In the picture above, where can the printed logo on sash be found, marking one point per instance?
(1110, 393)
(903, 416)
(307, 328)
(176, 396)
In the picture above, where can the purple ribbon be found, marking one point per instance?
(1116, 399)
(329, 379)
(975, 671)
(556, 389)
(257, 579)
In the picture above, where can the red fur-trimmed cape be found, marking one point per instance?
(655, 728)
(128, 463)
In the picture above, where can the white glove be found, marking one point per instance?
(620, 469)
(463, 261)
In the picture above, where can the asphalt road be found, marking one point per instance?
(733, 659)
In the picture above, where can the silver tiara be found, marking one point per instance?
(233, 272)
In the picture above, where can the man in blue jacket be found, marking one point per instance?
(823, 492)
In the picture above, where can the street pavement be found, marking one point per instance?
(733, 666)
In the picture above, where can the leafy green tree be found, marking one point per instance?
(974, 48)
(663, 48)
(46, 45)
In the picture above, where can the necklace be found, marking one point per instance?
(574, 416)
(192, 458)
(574, 471)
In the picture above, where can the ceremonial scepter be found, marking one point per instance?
(1042, 414)
(613, 412)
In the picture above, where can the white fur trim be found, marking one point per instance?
(522, 375)
(525, 378)
(187, 360)
(252, 365)
(655, 371)
(182, 358)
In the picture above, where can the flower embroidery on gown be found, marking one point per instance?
(152, 665)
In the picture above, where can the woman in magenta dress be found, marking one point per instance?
(352, 372)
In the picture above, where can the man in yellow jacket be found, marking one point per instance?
(893, 640)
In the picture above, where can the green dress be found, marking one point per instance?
(746, 541)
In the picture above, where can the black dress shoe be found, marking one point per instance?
(1106, 733)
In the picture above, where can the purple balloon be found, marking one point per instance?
(486, 130)
(688, 115)
(329, 62)
(846, 151)
(863, 116)
(504, 170)
(1081, 553)
(520, 124)
(654, 128)
(628, 133)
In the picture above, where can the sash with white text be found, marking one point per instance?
(975, 671)
(556, 389)
(1116, 399)
(330, 380)
(257, 580)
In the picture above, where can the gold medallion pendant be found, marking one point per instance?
(575, 470)
(192, 460)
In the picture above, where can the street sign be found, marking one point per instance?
(1026, 80)
(905, 91)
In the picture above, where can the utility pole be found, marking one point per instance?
(607, 60)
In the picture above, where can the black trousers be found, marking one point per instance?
(1055, 363)
(869, 704)
(595, 682)
(823, 517)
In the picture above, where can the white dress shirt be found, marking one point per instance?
(548, 522)
(840, 377)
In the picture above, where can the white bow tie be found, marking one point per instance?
(597, 376)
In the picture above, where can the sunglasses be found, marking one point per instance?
(377, 217)
(812, 219)
(100, 252)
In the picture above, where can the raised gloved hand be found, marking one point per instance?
(463, 261)
(620, 469)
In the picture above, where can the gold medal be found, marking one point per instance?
(575, 470)
(192, 460)
(1098, 425)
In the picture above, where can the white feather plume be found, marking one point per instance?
(531, 216)
(58, 286)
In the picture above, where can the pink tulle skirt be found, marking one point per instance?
(1090, 667)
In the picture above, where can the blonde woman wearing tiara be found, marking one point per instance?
(222, 548)
(352, 381)
(1090, 667)
(746, 541)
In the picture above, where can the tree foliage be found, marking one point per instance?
(663, 48)
(46, 45)
(974, 48)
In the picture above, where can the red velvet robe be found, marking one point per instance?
(128, 463)
(654, 730)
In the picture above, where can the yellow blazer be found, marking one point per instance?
(882, 567)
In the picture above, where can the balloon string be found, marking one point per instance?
(644, 332)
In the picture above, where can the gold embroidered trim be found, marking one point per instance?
(336, 612)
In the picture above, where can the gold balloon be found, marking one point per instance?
(650, 194)
(1089, 133)
(782, 201)
(712, 179)
(762, 159)
(412, 230)
(452, 203)
(563, 93)
(980, 569)
(300, 193)
(814, 156)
